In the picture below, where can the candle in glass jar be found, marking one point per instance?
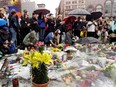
(15, 82)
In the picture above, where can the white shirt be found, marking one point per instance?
(91, 28)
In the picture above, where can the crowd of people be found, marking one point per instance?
(26, 31)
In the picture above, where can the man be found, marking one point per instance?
(50, 24)
(78, 25)
(31, 38)
(53, 38)
(25, 24)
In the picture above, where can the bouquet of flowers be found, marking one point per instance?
(39, 61)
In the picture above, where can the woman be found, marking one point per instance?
(14, 27)
(42, 25)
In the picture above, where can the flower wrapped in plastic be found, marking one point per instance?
(38, 60)
(109, 71)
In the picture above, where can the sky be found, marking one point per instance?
(50, 4)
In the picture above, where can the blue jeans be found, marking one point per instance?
(41, 34)
(14, 36)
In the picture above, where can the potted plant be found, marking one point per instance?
(39, 61)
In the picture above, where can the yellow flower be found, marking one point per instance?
(35, 57)
(35, 65)
(25, 62)
(55, 50)
(78, 45)
(46, 58)
(26, 54)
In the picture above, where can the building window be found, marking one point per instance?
(81, 1)
(67, 7)
(68, 2)
(108, 5)
(74, 6)
(99, 8)
(74, 2)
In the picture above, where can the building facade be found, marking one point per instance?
(107, 7)
(66, 6)
(28, 5)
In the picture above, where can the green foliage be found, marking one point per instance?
(40, 75)
(40, 49)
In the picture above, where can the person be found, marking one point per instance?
(59, 25)
(14, 27)
(113, 24)
(2, 13)
(25, 24)
(7, 47)
(68, 37)
(6, 44)
(83, 32)
(102, 34)
(77, 26)
(4, 34)
(53, 38)
(50, 24)
(30, 39)
(91, 28)
(42, 24)
(57, 36)
(6, 13)
(34, 22)
(59, 22)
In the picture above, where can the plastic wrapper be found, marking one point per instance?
(83, 63)
(79, 56)
(103, 82)
(102, 61)
(70, 48)
(113, 73)
(18, 71)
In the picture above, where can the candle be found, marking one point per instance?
(15, 82)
